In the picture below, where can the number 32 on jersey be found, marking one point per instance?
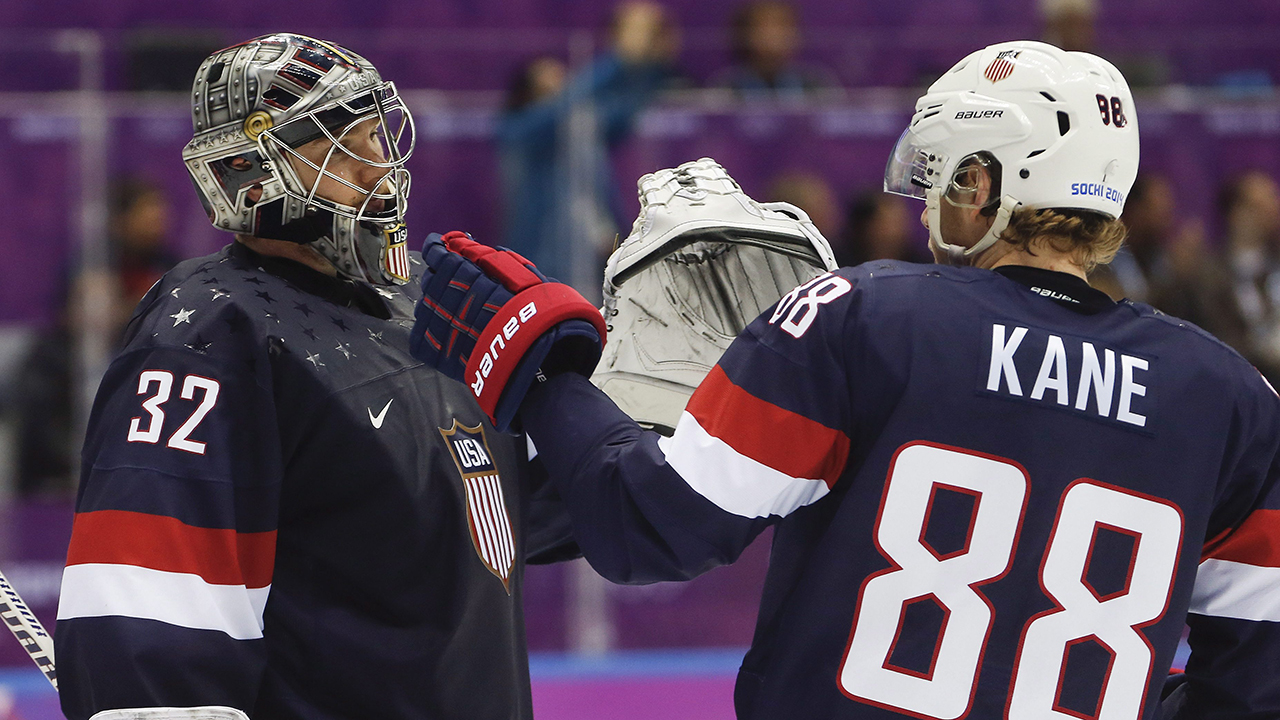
(162, 382)
(954, 581)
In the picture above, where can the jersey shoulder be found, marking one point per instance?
(898, 285)
(1193, 332)
(211, 305)
(823, 306)
(878, 271)
(1190, 341)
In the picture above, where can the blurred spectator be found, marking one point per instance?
(45, 387)
(1149, 216)
(1250, 207)
(544, 210)
(1071, 25)
(1166, 263)
(1198, 289)
(99, 300)
(139, 230)
(810, 193)
(880, 226)
(765, 41)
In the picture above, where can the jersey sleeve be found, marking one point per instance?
(549, 536)
(173, 544)
(763, 436)
(1234, 617)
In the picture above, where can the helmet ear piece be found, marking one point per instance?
(976, 183)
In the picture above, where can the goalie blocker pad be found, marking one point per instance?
(514, 344)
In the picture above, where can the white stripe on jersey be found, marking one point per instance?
(483, 533)
(507, 544)
(493, 526)
(734, 482)
(1236, 590)
(97, 590)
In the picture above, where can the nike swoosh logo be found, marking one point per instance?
(377, 419)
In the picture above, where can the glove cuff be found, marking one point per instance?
(514, 330)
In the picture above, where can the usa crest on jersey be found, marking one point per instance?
(487, 516)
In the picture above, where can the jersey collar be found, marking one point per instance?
(1065, 289)
(339, 291)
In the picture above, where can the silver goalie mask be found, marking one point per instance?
(298, 139)
(702, 261)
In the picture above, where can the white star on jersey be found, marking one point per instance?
(182, 316)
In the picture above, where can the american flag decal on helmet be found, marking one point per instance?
(487, 517)
(1002, 66)
(397, 255)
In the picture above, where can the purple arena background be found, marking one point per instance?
(453, 58)
(455, 168)
(473, 44)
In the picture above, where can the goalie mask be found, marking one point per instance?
(301, 140)
(1053, 129)
(702, 261)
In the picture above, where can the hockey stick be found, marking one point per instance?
(30, 633)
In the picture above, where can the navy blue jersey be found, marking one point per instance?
(995, 495)
(281, 511)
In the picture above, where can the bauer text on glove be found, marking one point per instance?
(490, 319)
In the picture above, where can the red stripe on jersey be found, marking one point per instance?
(221, 557)
(785, 441)
(1255, 542)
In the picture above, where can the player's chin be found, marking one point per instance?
(356, 205)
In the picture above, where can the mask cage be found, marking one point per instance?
(393, 140)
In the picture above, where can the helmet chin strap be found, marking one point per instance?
(957, 254)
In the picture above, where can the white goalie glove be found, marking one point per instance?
(702, 261)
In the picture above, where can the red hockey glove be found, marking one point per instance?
(489, 318)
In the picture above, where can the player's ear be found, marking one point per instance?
(986, 189)
(983, 183)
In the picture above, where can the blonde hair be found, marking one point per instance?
(1093, 239)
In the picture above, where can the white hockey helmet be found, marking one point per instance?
(255, 104)
(1056, 129)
